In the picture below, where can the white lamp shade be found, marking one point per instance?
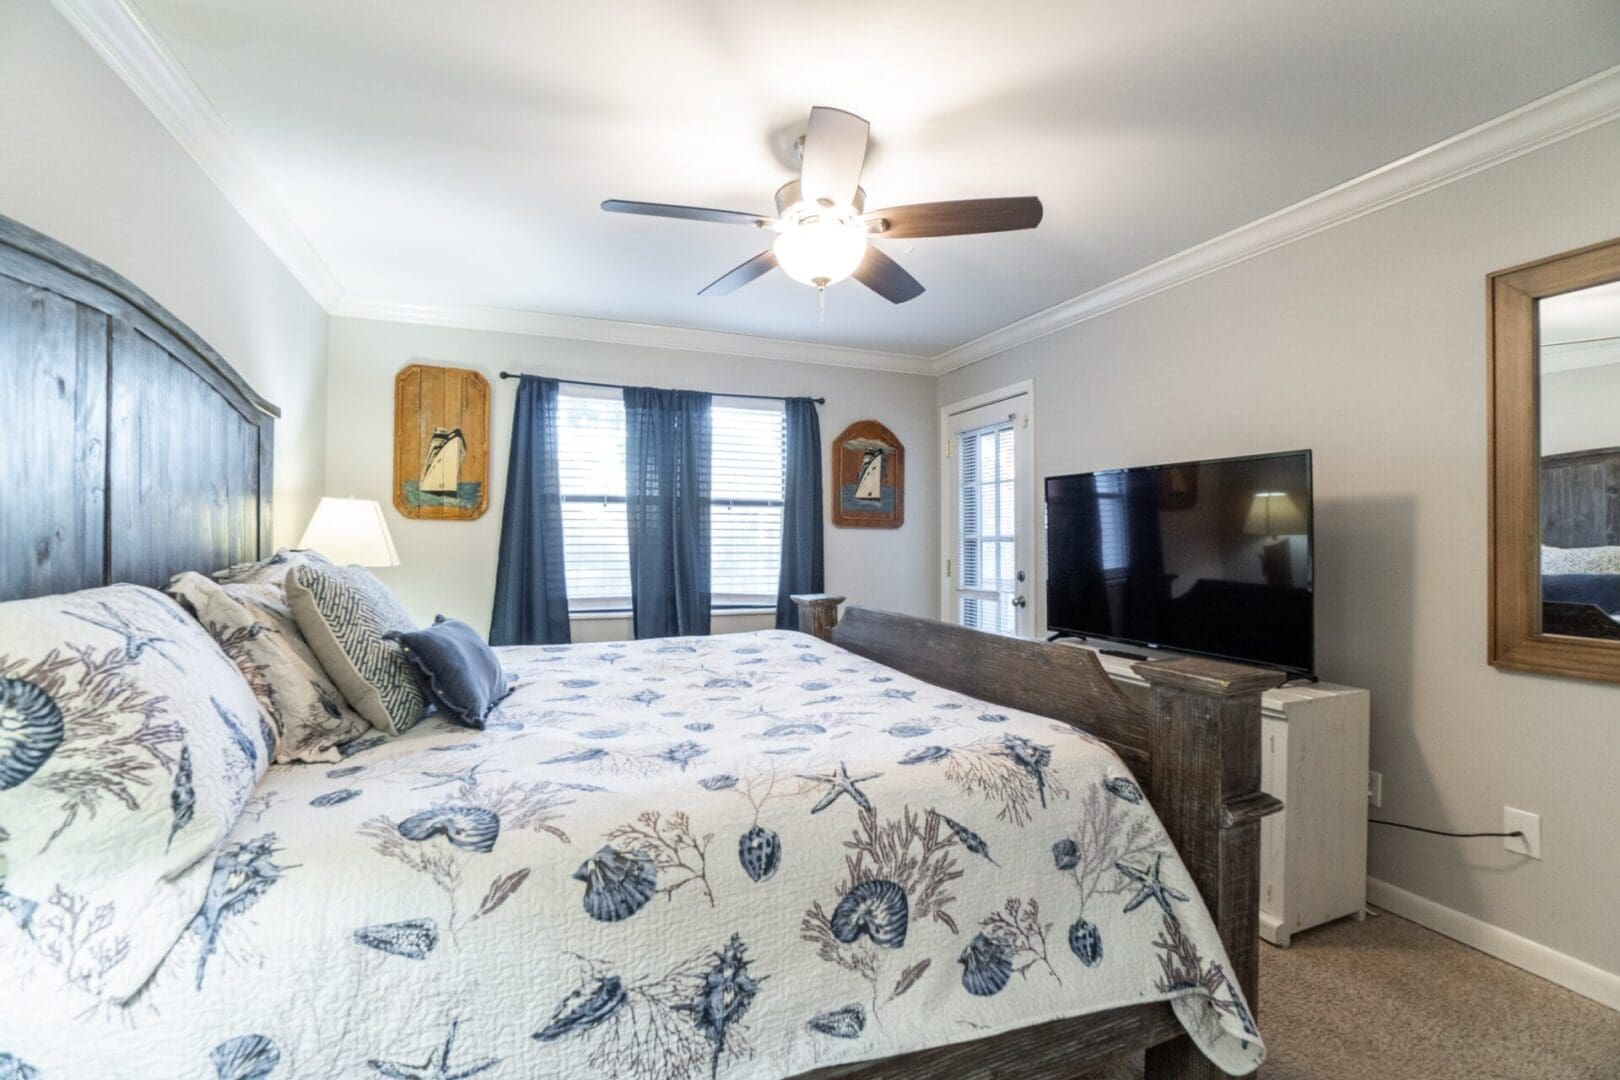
(351, 531)
(1274, 513)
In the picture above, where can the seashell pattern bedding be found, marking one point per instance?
(748, 855)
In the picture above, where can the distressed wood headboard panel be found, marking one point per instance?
(1580, 498)
(132, 450)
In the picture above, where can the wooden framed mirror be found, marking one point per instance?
(1553, 358)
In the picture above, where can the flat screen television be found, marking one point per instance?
(1208, 557)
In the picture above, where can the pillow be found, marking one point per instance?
(129, 744)
(271, 571)
(1583, 560)
(1601, 590)
(254, 626)
(344, 613)
(460, 673)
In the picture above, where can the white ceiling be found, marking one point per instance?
(455, 154)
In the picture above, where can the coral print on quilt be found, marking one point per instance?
(744, 856)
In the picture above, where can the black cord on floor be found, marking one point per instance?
(1441, 832)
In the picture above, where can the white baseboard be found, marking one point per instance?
(1556, 967)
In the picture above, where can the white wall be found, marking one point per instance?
(1367, 343)
(448, 567)
(83, 161)
(1580, 409)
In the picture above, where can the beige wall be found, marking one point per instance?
(82, 160)
(1367, 344)
(449, 567)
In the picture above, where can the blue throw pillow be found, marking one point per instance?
(460, 673)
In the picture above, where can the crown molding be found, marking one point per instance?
(129, 46)
(613, 332)
(1576, 108)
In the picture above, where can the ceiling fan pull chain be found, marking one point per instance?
(821, 304)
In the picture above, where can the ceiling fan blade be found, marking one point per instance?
(959, 218)
(686, 213)
(886, 277)
(834, 152)
(758, 266)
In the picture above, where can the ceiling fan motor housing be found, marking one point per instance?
(790, 195)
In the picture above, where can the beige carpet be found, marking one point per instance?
(1386, 999)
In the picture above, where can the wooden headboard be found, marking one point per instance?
(1580, 498)
(132, 450)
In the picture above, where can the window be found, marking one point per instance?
(987, 527)
(745, 511)
(1111, 519)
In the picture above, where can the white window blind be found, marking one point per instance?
(986, 526)
(1111, 518)
(745, 512)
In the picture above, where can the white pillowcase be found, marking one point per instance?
(129, 744)
(1584, 560)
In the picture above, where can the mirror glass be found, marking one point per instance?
(1579, 373)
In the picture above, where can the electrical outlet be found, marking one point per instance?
(1375, 788)
(1529, 824)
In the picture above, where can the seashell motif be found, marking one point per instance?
(845, 1023)
(969, 839)
(815, 685)
(602, 733)
(986, 965)
(788, 731)
(453, 748)
(1031, 757)
(699, 725)
(1066, 854)
(15, 1068)
(412, 939)
(579, 684)
(760, 852)
(646, 697)
(360, 746)
(881, 679)
(724, 995)
(22, 911)
(617, 883)
(30, 730)
(1118, 785)
(183, 796)
(585, 1008)
(719, 782)
(347, 770)
(1086, 941)
(576, 757)
(878, 909)
(924, 754)
(268, 736)
(246, 1057)
(748, 650)
(949, 705)
(788, 750)
(993, 717)
(894, 694)
(239, 737)
(333, 798)
(725, 682)
(908, 731)
(684, 753)
(471, 828)
(666, 650)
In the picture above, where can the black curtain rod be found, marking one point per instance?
(622, 386)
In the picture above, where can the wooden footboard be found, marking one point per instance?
(1196, 752)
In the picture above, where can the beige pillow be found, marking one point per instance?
(344, 613)
(254, 626)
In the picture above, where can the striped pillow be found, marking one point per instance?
(343, 612)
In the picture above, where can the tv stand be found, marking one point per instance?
(1060, 635)
(1313, 854)
(1122, 654)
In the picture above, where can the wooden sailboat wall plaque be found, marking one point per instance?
(441, 443)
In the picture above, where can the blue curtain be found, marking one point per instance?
(802, 553)
(668, 437)
(531, 591)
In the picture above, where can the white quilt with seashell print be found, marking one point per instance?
(739, 856)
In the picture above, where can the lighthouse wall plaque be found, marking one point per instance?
(869, 477)
(441, 443)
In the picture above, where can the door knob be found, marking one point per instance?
(1019, 601)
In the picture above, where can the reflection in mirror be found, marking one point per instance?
(1579, 367)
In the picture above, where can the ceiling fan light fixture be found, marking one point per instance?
(820, 248)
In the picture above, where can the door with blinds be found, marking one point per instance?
(990, 516)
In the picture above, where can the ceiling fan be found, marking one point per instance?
(822, 226)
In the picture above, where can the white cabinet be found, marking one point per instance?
(1313, 854)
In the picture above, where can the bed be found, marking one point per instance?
(886, 847)
(1580, 536)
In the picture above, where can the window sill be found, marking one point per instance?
(717, 613)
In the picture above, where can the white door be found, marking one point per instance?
(990, 513)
